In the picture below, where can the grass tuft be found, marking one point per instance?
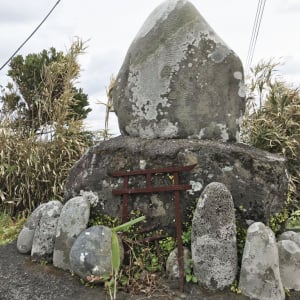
(9, 228)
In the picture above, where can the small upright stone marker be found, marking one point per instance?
(260, 277)
(25, 237)
(214, 251)
(44, 236)
(73, 219)
(289, 264)
(179, 79)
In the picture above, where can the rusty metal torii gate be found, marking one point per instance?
(175, 188)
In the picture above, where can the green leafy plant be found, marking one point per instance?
(234, 288)
(189, 272)
(145, 255)
(105, 220)
(277, 221)
(115, 246)
(186, 237)
(167, 244)
(293, 222)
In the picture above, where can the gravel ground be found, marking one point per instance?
(20, 279)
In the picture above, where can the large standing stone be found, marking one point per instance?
(73, 219)
(289, 264)
(260, 277)
(179, 79)
(256, 179)
(25, 237)
(214, 250)
(44, 236)
(91, 252)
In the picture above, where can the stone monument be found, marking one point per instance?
(179, 79)
(179, 99)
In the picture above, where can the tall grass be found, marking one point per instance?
(9, 228)
(275, 125)
(33, 171)
(33, 167)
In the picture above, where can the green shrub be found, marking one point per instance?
(34, 167)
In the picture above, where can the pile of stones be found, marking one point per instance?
(58, 233)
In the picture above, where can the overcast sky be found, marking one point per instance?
(110, 26)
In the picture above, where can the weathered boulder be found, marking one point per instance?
(25, 237)
(91, 252)
(290, 236)
(214, 249)
(256, 179)
(73, 219)
(260, 277)
(172, 268)
(289, 264)
(44, 236)
(179, 79)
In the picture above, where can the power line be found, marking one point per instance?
(255, 31)
(35, 30)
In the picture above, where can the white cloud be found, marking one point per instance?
(112, 25)
(288, 6)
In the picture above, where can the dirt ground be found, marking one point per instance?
(20, 279)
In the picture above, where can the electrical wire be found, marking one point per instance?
(255, 31)
(29, 37)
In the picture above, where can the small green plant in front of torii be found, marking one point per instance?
(189, 272)
(111, 280)
(145, 257)
(115, 249)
